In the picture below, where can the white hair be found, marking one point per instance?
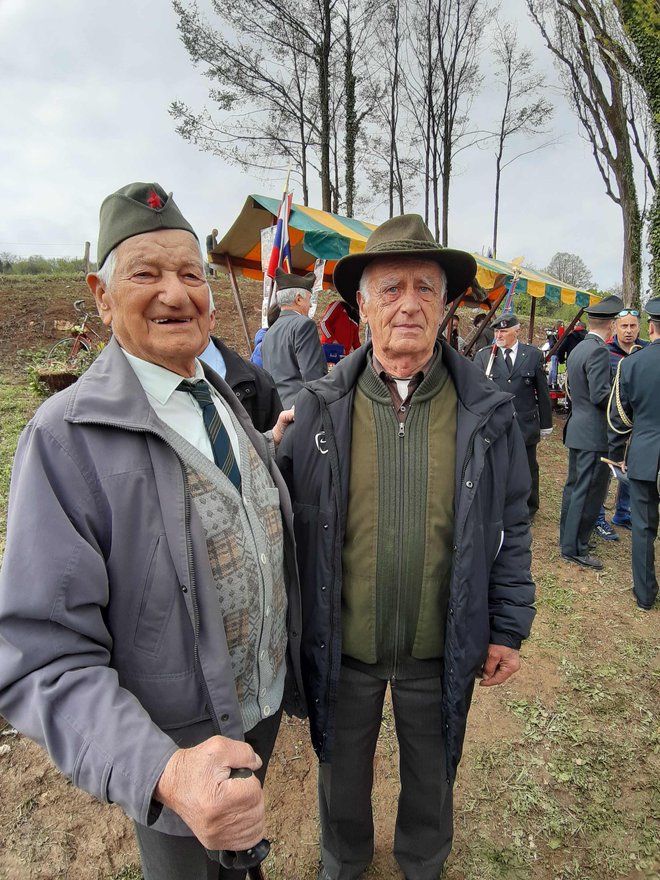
(288, 295)
(365, 280)
(106, 272)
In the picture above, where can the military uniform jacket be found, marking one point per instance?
(638, 395)
(589, 385)
(527, 383)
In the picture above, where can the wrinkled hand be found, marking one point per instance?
(222, 813)
(501, 663)
(283, 421)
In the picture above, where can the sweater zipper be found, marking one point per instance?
(397, 617)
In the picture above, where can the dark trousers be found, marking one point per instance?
(583, 496)
(424, 827)
(644, 515)
(533, 501)
(169, 857)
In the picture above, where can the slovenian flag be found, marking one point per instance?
(281, 252)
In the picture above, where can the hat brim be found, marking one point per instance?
(460, 267)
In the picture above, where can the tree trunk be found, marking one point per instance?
(323, 63)
(351, 118)
(498, 174)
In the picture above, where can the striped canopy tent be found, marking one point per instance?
(313, 235)
(532, 282)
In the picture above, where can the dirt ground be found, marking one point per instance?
(507, 826)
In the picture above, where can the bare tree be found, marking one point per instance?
(272, 69)
(569, 268)
(641, 19)
(445, 77)
(578, 33)
(524, 110)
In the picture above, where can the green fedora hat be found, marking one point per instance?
(405, 237)
(133, 210)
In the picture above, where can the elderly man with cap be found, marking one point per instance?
(148, 576)
(291, 350)
(634, 427)
(518, 369)
(589, 383)
(410, 483)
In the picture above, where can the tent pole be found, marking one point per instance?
(568, 330)
(532, 315)
(447, 318)
(238, 301)
(470, 342)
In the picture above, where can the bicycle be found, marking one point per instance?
(86, 338)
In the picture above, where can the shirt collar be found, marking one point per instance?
(158, 382)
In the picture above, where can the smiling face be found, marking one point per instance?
(158, 299)
(403, 308)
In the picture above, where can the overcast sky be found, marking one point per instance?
(84, 94)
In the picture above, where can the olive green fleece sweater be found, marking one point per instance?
(397, 552)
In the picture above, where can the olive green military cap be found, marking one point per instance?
(133, 210)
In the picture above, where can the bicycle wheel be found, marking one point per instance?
(63, 349)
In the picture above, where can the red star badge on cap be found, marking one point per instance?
(154, 200)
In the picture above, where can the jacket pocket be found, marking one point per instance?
(158, 596)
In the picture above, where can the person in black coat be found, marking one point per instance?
(589, 383)
(521, 373)
(253, 386)
(634, 413)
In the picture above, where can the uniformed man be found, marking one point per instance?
(585, 435)
(518, 369)
(634, 414)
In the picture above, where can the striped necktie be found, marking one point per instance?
(223, 454)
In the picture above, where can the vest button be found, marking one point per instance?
(323, 644)
(325, 525)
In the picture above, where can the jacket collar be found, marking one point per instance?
(476, 393)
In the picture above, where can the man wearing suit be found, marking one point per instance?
(291, 350)
(634, 413)
(585, 435)
(518, 369)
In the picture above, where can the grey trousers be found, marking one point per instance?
(424, 821)
(169, 857)
(582, 498)
(644, 515)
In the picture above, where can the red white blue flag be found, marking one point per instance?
(281, 252)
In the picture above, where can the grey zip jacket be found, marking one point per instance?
(112, 648)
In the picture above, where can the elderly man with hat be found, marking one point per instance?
(589, 383)
(291, 350)
(410, 483)
(148, 576)
(518, 369)
(634, 441)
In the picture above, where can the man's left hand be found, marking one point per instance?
(500, 664)
(283, 421)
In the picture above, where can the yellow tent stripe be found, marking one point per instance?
(329, 222)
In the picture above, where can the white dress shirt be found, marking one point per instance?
(514, 352)
(179, 409)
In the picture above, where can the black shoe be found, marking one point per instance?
(587, 561)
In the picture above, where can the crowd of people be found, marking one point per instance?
(220, 543)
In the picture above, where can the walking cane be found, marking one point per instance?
(250, 859)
